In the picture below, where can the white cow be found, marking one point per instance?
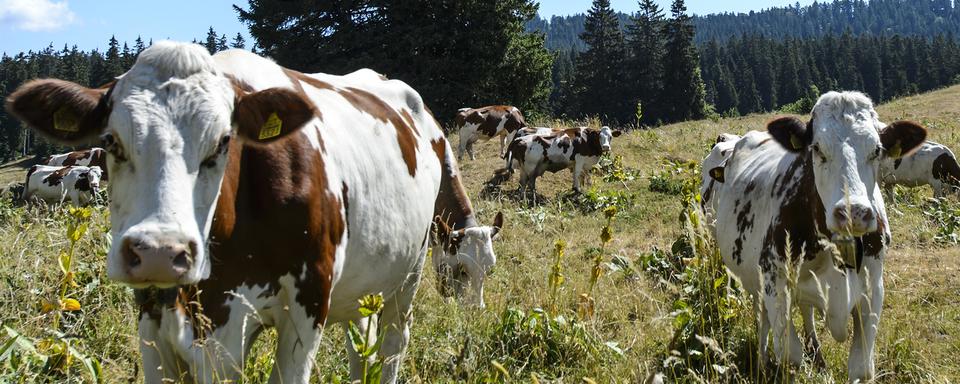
(249, 195)
(463, 255)
(578, 149)
(786, 195)
(55, 184)
(712, 173)
(933, 164)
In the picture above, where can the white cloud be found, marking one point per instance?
(36, 15)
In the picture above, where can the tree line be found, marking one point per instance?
(91, 69)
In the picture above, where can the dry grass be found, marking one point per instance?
(919, 334)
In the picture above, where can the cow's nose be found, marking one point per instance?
(160, 260)
(605, 148)
(856, 218)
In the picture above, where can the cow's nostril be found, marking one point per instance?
(133, 260)
(867, 215)
(181, 260)
(840, 214)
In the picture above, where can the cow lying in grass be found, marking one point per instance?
(578, 149)
(788, 199)
(933, 164)
(54, 184)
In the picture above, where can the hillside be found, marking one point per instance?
(633, 325)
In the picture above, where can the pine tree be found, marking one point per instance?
(645, 37)
(114, 65)
(601, 90)
(683, 88)
(138, 45)
(238, 42)
(211, 41)
(222, 43)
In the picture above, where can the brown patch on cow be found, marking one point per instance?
(380, 110)
(56, 177)
(946, 169)
(452, 207)
(75, 156)
(489, 119)
(586, 143)
(83, 182)
(801, 216)
(276, 215)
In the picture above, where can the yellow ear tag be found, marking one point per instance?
(271, 128)
(795, 142)
(896, 150)
(65, 120)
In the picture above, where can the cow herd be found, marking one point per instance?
(274, 198)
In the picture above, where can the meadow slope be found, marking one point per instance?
(627, 338)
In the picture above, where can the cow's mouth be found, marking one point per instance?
(851, 250)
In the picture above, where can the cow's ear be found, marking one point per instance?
(791, 133)
(617, 133)
(497, 225)
(65, 112)
(717, 174)
(901, 138)
(268, 115)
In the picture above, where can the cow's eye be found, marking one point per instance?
(876, 153)
(113, 146)
(221, 149)
(818, 152)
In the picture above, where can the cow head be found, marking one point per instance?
(166, 125)
(93, 176)
(846, 142)
(606, 137)
(467, 256)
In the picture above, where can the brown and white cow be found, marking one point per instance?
(486, 123)
(245, 195)
(54, 184)
(789, 199)
(933, 164)
(87, 157)
(578, 149)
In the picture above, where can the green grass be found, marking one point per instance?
(635, 301)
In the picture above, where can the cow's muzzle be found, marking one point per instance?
(161, 260)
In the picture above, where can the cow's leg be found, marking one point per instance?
(158, 360)
(866, 320)
(577, 175)
(940, 189)
(470, 150)
(297, 344)
(812, 345)
(776, 298)
(395, 322)
(763, 330)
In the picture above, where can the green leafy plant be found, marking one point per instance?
(370, 306)
(676, 177)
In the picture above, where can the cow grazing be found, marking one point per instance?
(55, 184)
(933, 164)
(486, 123)
(88, 157)
(463, 255)
(578, 149)
(789, 199)
(246, 195)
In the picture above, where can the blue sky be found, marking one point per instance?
(33, 24)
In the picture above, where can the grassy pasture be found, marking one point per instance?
(528, 333)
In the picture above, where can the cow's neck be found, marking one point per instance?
(452, 204)
(802, 215)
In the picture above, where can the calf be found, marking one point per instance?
(789, 199)
(245, 195)
(88, 157)
(933, 164)
(54, 184)
(578, 149)
(486, 123)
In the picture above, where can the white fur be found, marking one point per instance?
(846, 129)
(169, 113)
(37, 188)
(917, 169)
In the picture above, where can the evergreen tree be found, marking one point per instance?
(601, 90)
(683, 88)
(238, 42)
(138, 45)
(211, 42)
(114, 64)
(222, 43)
(645, 37)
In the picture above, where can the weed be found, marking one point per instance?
(676, 177)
